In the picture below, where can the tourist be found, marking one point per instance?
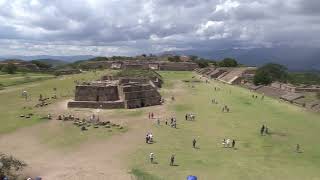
(224, 143)
(267, 130)
(152, 115)
(186, 116)
(158, 121)
(262, 130)
(298, 148)
(233, 143)
(147, 138)
(194, 143)
(151, 156)
(172, 160)
(228, 142)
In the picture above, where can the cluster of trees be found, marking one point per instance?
(9, 68)
(41, 65)
(226, 62)
(174, 59)
(307, 78)
(269, 73)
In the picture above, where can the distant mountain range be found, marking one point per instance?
(294, 58)
(298, 59)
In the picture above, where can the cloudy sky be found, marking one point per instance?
(130, 27)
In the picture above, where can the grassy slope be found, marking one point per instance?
(12, 103)
(268, 157)
(22, 78)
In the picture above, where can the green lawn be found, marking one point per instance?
(22, 78)
(12, 104)
(256, 157)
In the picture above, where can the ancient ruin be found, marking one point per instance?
(117, 92)
(243, 76)
(234, 75)
(144, 65)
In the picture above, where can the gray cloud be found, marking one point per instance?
(128, 27)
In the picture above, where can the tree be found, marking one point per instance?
(10, 166)
(41, 65)
(194, 58)
(9, 68)
(228, 62)
(174, 58)
(262, 78)
(269, 73)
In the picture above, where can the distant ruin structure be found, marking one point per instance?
(117, 92)
(144, 65)
(229, 75)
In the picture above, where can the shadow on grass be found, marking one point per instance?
(142, 175)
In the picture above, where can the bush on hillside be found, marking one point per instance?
(9, 68)
(174, 59)
(41, 65)
(269, 73)
(228, 62)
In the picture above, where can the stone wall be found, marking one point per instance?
(96, 93)
(177, 66)
(138, 103)
(96, 105)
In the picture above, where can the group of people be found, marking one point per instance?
(225, 109)
(214, 101)
(152, 157)
(149, 138)
(173, 122)
(256, 97)
(227, 143)
(264, 130)
(190, 117)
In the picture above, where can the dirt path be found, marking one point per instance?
(94, 159)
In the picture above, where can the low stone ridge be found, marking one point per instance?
(292, 96)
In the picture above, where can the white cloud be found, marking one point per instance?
(135, 26)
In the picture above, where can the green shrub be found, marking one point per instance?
(9, 68)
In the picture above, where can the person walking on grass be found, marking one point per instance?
(262, 130)
(298, 148)
(151, 156)
(194, 143)
(233, 143)
(172, 160)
